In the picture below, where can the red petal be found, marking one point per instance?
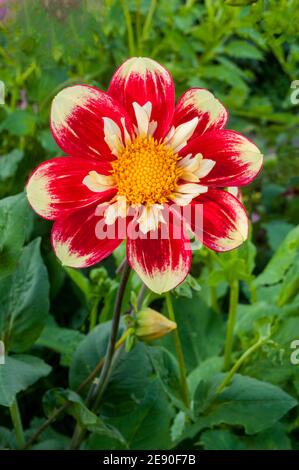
(140, 80)
(82, 239)
(162, 262)
(201, 103)
(77, 124)
(218, 220)
(238, 160)
(56, 186)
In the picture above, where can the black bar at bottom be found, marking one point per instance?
(134, 459)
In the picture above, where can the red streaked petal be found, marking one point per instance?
(143, 80)
(77, 121)
(218, 220)
(56, 187)
(238, 160)
(81, 238)
(162, 262)
(201, 103)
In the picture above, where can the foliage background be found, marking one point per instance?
(247, 54)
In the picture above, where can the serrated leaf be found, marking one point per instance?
(55, 398)
(246, 402)
(243, 50)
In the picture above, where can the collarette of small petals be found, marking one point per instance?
(147, 172)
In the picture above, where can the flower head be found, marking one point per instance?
(141, 163)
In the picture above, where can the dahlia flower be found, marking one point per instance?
(137, 160)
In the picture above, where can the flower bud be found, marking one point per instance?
(151, 325)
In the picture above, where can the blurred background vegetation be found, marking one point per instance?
(247, 54)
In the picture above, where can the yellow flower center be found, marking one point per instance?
(146, 171)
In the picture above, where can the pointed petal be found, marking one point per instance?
(82, 239)
(238, 160)
(77, 121)
(56, 186)
(143, 80)
(218, 220)
(179, 136)
(162, 262)
(97, 182)
(150, 217)
(117, 209)
(200, 103)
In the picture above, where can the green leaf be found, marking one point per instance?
(249, 315)
(280, 277)
(243, 50)
(134, 394)
(220, 439)
(6, 438)
(62, 340)
(146, 427)
(166, 368)
(130, 377)
(50, 439)
(14, 216)
(24, 297)
(47, 141)
(247, 402)
(274, 438)
(187, 287)
(8, 167)
(19, 122)
(277, 230)
(207, 369)
(281, 261)
(79, 280)
(55, 398)
(17, 374)
(290, 284)
(200, 329)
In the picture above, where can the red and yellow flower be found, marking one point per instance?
(142, 160)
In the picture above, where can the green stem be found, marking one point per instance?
(96, 391)
(138, 26)
(148, 20)
(253, 294)
(233, 303)
(179, 353)
(27, 16)
(141, 295)
(93, 315)
(128, 21)
(17, 424)
(214, 299)
(238, 364)
(107, 367)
